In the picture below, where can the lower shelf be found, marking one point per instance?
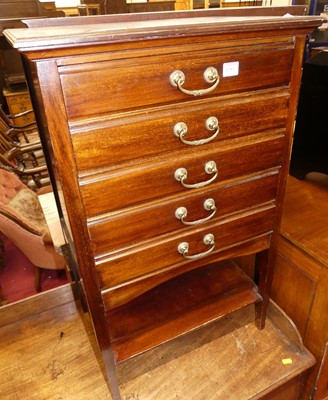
(179, 306)
(229, 359)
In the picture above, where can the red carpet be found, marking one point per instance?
(17, 274)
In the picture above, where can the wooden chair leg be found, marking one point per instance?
(37, 279)
(3, 300)
(2, 250)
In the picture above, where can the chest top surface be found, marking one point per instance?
(67, 33)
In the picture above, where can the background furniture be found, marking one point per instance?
(301, 274)
(11, 13)
(151, 6)
(18, 100)
(310, 148)
(116, 6)
(319, 37)
(3, 300)
(11, 71)
(93, 7)
(15, 98)
(232, 3)
(27, 8)
(23, 223)
(21, 150)
(183, 5)
(195, 175)
(24, 133)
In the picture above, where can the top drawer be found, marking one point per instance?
(110, 86)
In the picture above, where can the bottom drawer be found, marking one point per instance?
(157, 256)
(113, 232)
(24, 120)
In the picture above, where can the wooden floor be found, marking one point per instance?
(48, 352)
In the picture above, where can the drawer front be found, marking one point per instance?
(18, 100)
(149, 133)
(18, 104)
(96, 88)
(24, 120)
(121, 189)
(162, 254)
(20, 107)
(112, 232)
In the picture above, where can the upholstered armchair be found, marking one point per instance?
(22, 222)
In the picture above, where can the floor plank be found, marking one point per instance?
(49, 356)
(52, 355)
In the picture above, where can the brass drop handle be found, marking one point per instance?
(180, 130)
(211, 75)
(208, 240)
(209, 205)
(181, 174)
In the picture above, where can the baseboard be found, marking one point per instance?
(36, 304)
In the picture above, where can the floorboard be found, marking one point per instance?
(52, 355)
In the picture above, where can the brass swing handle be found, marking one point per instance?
(211, 75)
(208, 240)
(212, 124)
(181, 174)
(209, 205)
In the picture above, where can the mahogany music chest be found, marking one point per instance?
(169, 138)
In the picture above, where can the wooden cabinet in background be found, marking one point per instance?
(171, 171)
(27, 9)
(151, 6)
(300, 284)
(11, 14)
(116, 7)
(19, 100)
(232, 3)
(183, 5)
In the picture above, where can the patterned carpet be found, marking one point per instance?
(17, 274)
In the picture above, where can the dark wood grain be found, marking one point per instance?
(137, 224)
(193, 360)
(162, 253)
(145, 78)
(138, 134)
(65, 182)
(136, 184)
(121, 294)
(178, 306)
(153, 6)
(106, 107)
(301, 277)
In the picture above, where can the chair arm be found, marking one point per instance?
(22, 149)
(11, 116)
